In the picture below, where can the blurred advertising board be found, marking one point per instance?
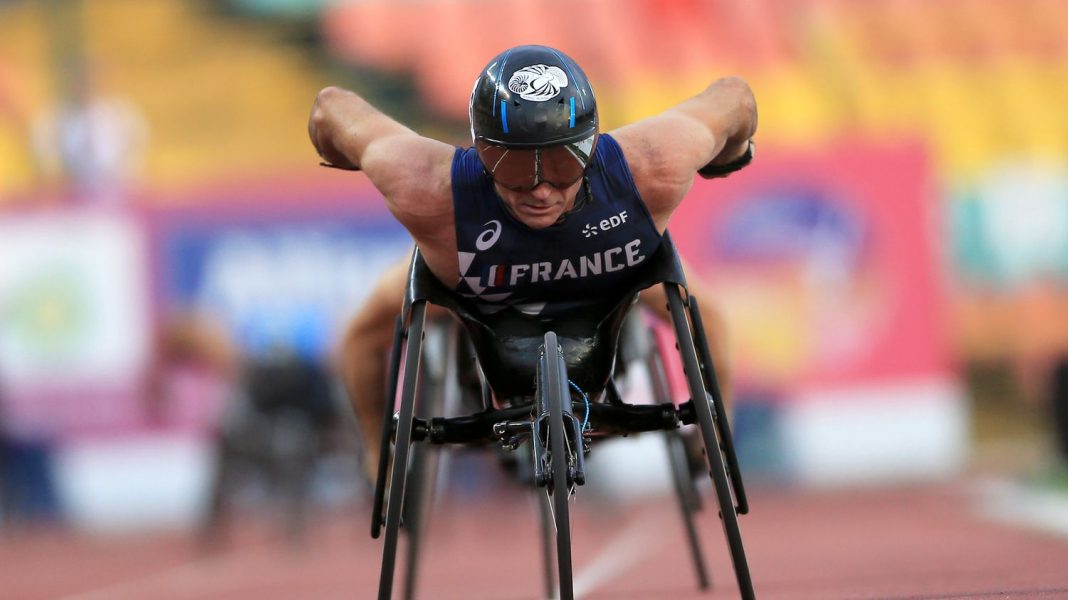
(829, 266)
(83, 295)
(282, 275)
(829, 263)
(1010, 227)
(74, 321)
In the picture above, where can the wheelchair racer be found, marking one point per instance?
(543, 213)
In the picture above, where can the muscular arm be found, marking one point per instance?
(361, 357)
(665, 151)
(412, 172)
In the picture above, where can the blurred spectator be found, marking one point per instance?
(27, 490)
(5, 491)
(93, 142)
(196, 362)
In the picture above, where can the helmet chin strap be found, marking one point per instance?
(582, 197)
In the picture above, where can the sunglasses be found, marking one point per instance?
(522, 170)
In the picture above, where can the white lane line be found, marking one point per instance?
(639, 539)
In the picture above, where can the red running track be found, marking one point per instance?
(919, 542)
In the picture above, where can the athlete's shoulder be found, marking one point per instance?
(608, 148)
(466, 167)
(611, 172)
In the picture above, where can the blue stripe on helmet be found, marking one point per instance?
(571, 121)
(500, 73)
(504, 115)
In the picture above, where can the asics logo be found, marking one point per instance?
(489, 237)
(591, 229)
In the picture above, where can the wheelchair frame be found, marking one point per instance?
(549, 423)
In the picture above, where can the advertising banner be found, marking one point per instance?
(282, 279)
(829, 267)
(74, 321)
(828, 264)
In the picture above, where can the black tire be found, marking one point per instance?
(545, 520)
(554, 393)
(424, 462)
(644, 346)
(662, 394)
(422, 472)
(706, 420)
(723, 428)
(401, 447)
(685, 493)
(378, 517)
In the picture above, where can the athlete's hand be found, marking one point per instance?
(734, 152)
(322, 129)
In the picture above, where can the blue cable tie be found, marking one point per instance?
(586, 399)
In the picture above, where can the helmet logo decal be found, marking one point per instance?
(538, 82)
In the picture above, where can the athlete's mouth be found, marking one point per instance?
(530, 206)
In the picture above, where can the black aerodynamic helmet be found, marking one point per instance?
(533, 118)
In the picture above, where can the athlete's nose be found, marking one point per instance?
(542, 191)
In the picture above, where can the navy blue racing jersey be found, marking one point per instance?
(589, 256)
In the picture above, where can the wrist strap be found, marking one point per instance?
(711, 170)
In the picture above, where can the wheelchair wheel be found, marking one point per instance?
(436, 379)
(641, 346)
(402, 445)
(685, 491)
(689, 503)
(706, 420)
(723, 428)
(545, 521)
(554, 393)
(385, 449)
(422, 473)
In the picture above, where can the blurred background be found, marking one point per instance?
(175, 269)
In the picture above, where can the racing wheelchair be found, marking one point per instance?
(549, 388)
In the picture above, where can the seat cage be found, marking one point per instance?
(506, 342)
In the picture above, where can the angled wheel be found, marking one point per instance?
(641, 346)
(545, 520)
(723, 428)
(706, 420)
(436, 388)
(418, 494)
(686, 493)
(401, 446)
(689, 503)
(385, 448)
(422, 473)
(553, 393)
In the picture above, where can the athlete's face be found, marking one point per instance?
(541, 206)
